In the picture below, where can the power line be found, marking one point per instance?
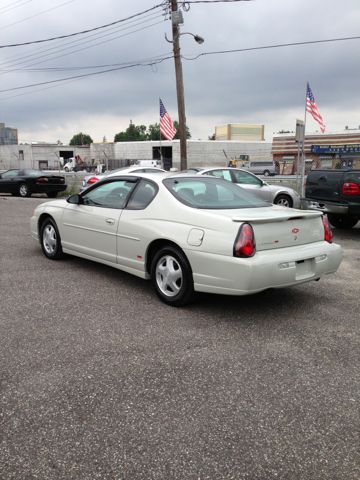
(155, 61)
(41, 13)
(62, 43)
(11, 5)
(83, 32)
(61, 47)
(273, 46)
(138, 64)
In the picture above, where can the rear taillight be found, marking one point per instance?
(327, 230)
(245, 245)
(350, 188)
(42, 179)
(92, 180)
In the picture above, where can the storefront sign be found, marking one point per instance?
(341, 149)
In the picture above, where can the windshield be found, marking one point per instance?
(211, 193)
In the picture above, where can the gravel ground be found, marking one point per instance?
(100, 380)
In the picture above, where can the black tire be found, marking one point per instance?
(66, 169)
(88, 169)
(52, 194)
(283, 201)
(24, 190)
(171, 277)
(266, 173)
(343, 222)
(50, 240)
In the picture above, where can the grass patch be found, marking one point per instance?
(72, 189)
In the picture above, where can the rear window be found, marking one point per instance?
(211, 193)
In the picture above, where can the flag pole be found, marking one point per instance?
(162, 166)
(303, 149)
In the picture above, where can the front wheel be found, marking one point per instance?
(171, 277)
(50, 240)
(283, 201)
(342, 222)
(24, 190)
(52, 194)
(66, 169)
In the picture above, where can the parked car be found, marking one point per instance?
(25, 182)
(266, 168)
(188, 234)
(91, 179)
(336, 193)
(277, 194)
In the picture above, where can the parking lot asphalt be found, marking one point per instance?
(100, 380)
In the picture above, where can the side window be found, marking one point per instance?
(110, 195)
(225, 174)
(143, 196)
(10, 174)
(246, 178)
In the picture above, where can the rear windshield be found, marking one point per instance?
(213, 193)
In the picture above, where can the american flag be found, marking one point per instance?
(166, 126)
(312, 108)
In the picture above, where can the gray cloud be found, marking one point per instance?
(263, 86)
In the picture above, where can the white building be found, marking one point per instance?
(199, 152)
(42, 156)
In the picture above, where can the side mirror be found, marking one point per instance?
(74, 199)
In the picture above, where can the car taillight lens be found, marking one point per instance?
(92, 180)
(42, 179)
(245, 245)
(350, 188)
(327, 230)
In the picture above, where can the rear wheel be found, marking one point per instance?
(24, 190)
(342, 222)
(171, 277)
(50, 240)
(266, 173)
(51, 194)
(283, 201)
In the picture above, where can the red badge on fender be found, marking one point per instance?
(295, 230)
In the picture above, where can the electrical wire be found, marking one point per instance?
(83, 32)
(171, 56)
(62, 43)
(41, 13)
(272, 46)
(138, 64)
(8, 9)
(84, 48)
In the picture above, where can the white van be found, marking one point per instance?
(261, 168)
(148, 163)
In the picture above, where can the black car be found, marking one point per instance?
(26, 181)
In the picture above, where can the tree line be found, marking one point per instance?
(134, 133)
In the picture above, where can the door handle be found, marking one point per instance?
(110, 221)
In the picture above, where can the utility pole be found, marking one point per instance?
(179, 89)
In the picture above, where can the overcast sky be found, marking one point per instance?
(264, 86)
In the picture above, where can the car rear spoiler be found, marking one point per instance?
(280, 217)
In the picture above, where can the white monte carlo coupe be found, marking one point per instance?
(188, 234)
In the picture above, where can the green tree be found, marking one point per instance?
(154, 132)
(134, 133)
(212, 137)
(177, 134)
(81, 139)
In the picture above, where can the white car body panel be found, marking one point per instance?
(205, 236)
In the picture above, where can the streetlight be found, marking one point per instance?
(179, 79)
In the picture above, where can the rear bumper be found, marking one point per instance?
(267, 269)
(326, 207)
(48, 188)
